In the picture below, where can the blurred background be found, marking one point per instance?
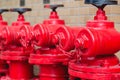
(74, 12)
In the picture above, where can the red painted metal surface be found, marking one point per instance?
(3, 64)
(52, 38)
(86, 53)
(54, 54)
(53, 18)
(41, 36)
(47, 56)
(96, 46)
(50, 64)
(41, 32)
(12, 51)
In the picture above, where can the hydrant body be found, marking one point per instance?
(96, 46)
(47, 57)
(3, 64)
(15, 54)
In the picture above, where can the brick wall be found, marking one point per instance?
(74, 12)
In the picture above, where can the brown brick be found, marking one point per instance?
(73, 3)
(118, 54)
(64, 11)
(117, 26)
(115, 18)
(84, 10)
(75, 12)
(115, 9)
(92, 10)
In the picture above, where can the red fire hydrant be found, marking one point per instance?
(52, 56)
(96, 46)
(53, 41)
(3, 64)
(40, 36)
(13, 52)
(27, 33)
(53, 38)
(47, 56)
